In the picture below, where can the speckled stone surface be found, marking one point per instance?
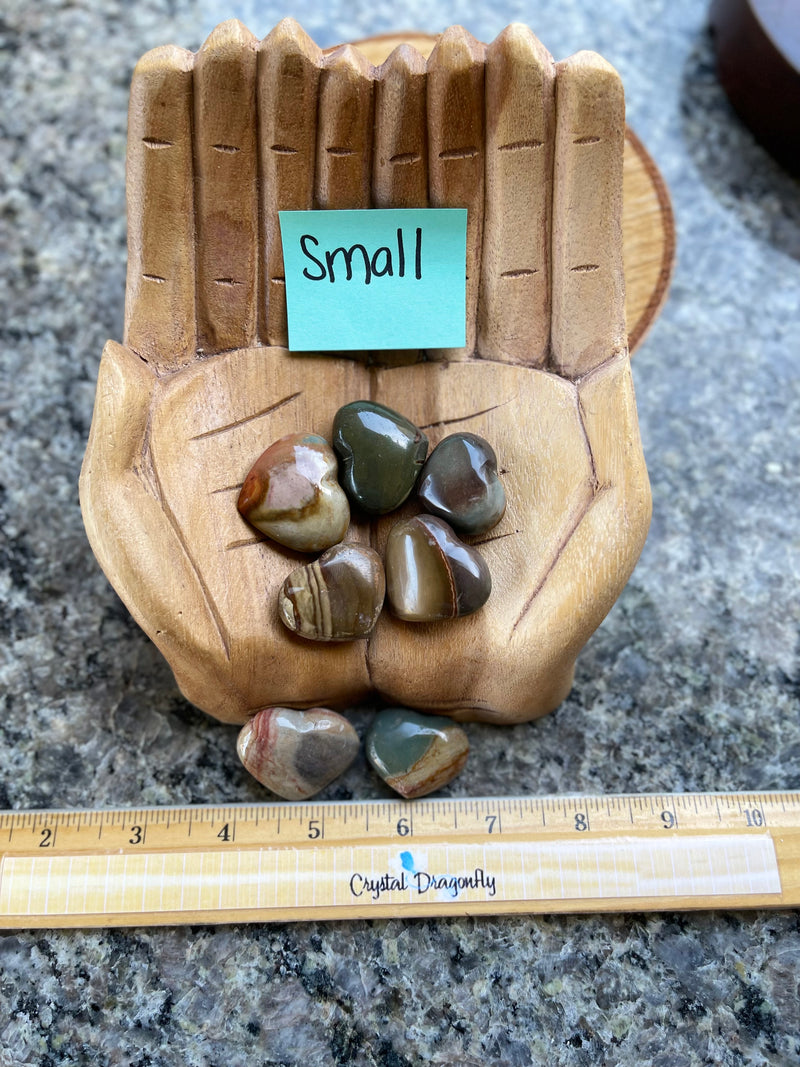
(692, 683)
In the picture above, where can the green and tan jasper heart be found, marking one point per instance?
(460, 484)
(381, 454)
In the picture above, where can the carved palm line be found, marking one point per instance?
(214, 306)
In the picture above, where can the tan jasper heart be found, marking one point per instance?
(431, 574)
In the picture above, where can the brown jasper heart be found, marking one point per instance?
(291, 494)
(431, 574)
(297, 753)
(460, 484)
(337, 598)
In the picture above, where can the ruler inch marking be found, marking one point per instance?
(748, 856)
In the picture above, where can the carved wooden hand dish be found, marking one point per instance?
(218, 143)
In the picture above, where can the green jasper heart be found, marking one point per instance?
(460, 484)
(381, 455)
(415, 754)
(431, 574)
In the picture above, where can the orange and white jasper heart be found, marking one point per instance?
(291, 494)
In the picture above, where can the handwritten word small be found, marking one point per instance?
(380, 264)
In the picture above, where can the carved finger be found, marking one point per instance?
(514, 313)
(400, 152)
(588, 317)
(289, 66)
(344, 131)
(456, 150)
(160, 297)
(400, 159)
(226, 188)
(594, 562)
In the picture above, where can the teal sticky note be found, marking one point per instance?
(373, 279)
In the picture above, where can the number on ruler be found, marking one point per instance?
(48, 838)
(403, 827)
(581, 820)
(313, 829)
(491, 820)
(754, 817)
(668, 819)
(137, 836)
(225, 832)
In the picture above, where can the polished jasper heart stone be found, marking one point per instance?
(431, 574)
(415, 754)
(291, 494)
(297, 753)
(460, 484)
(337, 598)
(381, 455)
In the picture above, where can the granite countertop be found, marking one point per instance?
(692, 683)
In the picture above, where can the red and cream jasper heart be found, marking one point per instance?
(291, 494)
(297, 753)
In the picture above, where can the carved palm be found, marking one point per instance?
(218, 143)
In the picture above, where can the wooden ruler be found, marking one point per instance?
(365, 859)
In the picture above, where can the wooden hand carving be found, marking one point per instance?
(218, 143)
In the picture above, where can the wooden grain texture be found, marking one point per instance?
(648, 226)
(344, 131)
(226, 169)
(514, 312)
(289, 65)
(400, 147)
(648, 239)
(588, 318)
(400, 152)
(175, 430)
(456, 151)
(160, 319)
